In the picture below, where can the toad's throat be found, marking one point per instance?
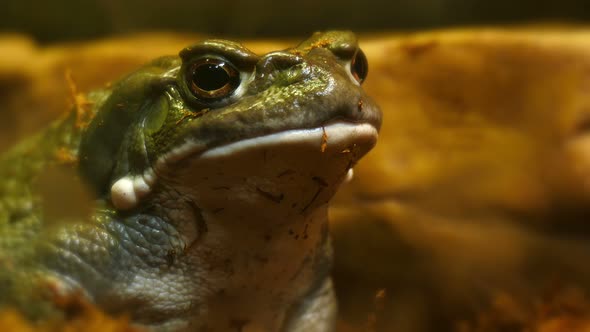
(128, 191)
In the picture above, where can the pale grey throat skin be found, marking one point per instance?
(211, 215)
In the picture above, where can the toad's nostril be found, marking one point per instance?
(277, 61)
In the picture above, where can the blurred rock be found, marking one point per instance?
(479, 182)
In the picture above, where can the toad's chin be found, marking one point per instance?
(300, 169)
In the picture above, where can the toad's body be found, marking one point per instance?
(212, 173)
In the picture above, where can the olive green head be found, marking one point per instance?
(218, 92)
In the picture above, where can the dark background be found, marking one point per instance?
(59, 20)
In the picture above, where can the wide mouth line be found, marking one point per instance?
(191, 149)
(334, 132)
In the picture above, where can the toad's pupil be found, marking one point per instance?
(210, 77)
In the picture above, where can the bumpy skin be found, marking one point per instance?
(210, 239)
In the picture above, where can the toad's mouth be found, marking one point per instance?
(329, 150)
(338, 136)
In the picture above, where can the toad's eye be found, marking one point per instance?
(212, 78)
(359, 67)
